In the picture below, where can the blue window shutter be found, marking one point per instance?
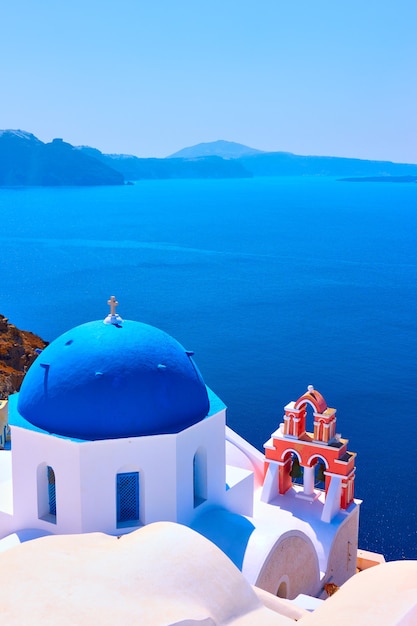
(127, 488)
(51, 491)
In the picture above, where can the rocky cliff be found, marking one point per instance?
(27, 161)
(17, 353)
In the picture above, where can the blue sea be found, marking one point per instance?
(275, 283)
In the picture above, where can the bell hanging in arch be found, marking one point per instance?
(296, 468)
(320, 477)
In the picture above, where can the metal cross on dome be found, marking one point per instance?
(113, 317)
(113, 304)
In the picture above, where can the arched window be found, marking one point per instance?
(127, 499)
(200, 477)
(51, 491)
(46, 493)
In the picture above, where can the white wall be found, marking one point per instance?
(209, 435)
(29, 451)
(85, 475)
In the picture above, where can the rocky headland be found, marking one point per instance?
(27, 161)
(18, 350)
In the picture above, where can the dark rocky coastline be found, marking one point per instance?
(18, 350)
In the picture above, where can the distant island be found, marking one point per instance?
(380, 179)
(27, 161)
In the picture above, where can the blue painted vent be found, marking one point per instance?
(127, 488)
(51, 491)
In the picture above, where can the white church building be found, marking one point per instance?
(114, 428)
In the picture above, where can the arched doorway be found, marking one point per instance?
(282, 589)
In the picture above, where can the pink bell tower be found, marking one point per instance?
(292, 450)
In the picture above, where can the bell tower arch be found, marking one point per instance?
(322, 452)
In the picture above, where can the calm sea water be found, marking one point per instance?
(275, 283)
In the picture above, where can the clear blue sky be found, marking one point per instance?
(331, 77)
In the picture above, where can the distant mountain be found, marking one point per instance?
(287, 164)
(259, 163)
(25, 160)
(221, 148)
(134, 168)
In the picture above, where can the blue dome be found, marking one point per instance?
(105, 381)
